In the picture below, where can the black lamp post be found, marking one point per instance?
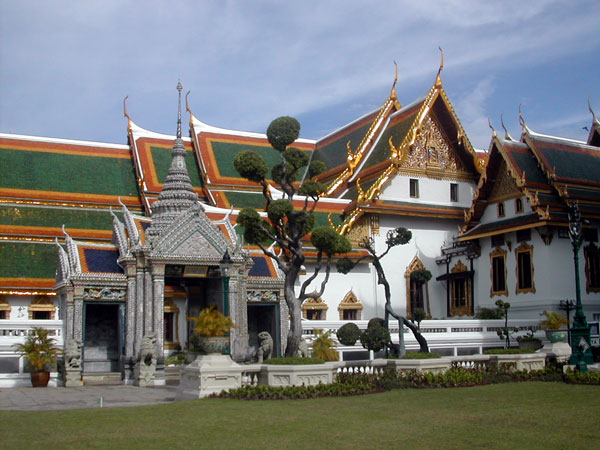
(581, 354)
(225, 265)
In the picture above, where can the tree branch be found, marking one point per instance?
(310, 279)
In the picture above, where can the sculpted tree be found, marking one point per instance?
(398, 236)
(288, 222)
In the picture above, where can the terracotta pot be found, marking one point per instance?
(40, 379)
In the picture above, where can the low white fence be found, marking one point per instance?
(450, 337)
(12, 366)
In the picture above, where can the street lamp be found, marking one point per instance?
(581, 354)
(226, 264)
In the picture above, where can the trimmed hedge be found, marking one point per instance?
(508, 351)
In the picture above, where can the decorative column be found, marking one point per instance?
(69, 313)
(78, 312)
(148, 303)
(158, 287)
(139, 306)
(581, 354)
(130, 271)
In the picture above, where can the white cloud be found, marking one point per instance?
(65, 67)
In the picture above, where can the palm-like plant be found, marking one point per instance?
(39, 349)
(210, 322)
(324, 347)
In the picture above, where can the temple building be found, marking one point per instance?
(118, 242)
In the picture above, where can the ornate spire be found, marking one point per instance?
(177, 194)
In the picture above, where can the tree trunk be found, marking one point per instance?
(424, 348)
(295, 334)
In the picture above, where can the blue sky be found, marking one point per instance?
(65, 67)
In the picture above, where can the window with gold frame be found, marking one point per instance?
(4, 308)
(461, 303)
(314, 309)
(42, 308)
(498, 272)
(525, 270)
(350, 308)
(592, 268)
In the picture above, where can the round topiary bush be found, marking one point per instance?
(376, 321)
(375, 338)
(348, 334)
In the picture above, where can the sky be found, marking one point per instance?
(66, 66)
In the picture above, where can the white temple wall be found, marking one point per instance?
(428, 236)
(554, 278)
(435, 192)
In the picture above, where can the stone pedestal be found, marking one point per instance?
(557, 351)
(143, 374)
(209, 374)
(73, 378)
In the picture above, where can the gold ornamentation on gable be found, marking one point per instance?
(505, 186)
(359, 231)
(431, 149)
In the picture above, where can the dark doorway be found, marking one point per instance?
(102, 337)
(263, 317)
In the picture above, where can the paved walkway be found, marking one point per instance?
(50, 398)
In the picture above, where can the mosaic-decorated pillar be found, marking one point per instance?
(158, 287)
(130, 270)
(148, 302)
(78, 312)
(69, 313)
(139, 307)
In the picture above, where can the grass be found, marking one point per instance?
(513, 415)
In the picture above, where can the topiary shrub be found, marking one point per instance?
(348, 334)
(375, 337)
(376, 321)
(507, 351)
(421, 355)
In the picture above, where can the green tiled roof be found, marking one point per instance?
(225, 152)
(45, 171)
(254, 200)
(56, 217)
(381, 152)
(28, 259)
(571, 164)
(528, 163)
(335, 153)
(162, 162)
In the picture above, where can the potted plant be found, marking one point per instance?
(211, 331)
(529, 341)
(41, 354)
(553, 325)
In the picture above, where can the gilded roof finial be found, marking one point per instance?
(393, 93)
(438, 78)
(594, 118)
(187, 106)
(521, 120)
(125, 113)
(507, 135)
(179, 89)
(492, 127)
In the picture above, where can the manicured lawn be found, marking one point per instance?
(514, 415)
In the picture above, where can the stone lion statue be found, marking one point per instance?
(73, 354)
(265, 349)
(302, 349)
(148, 354)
